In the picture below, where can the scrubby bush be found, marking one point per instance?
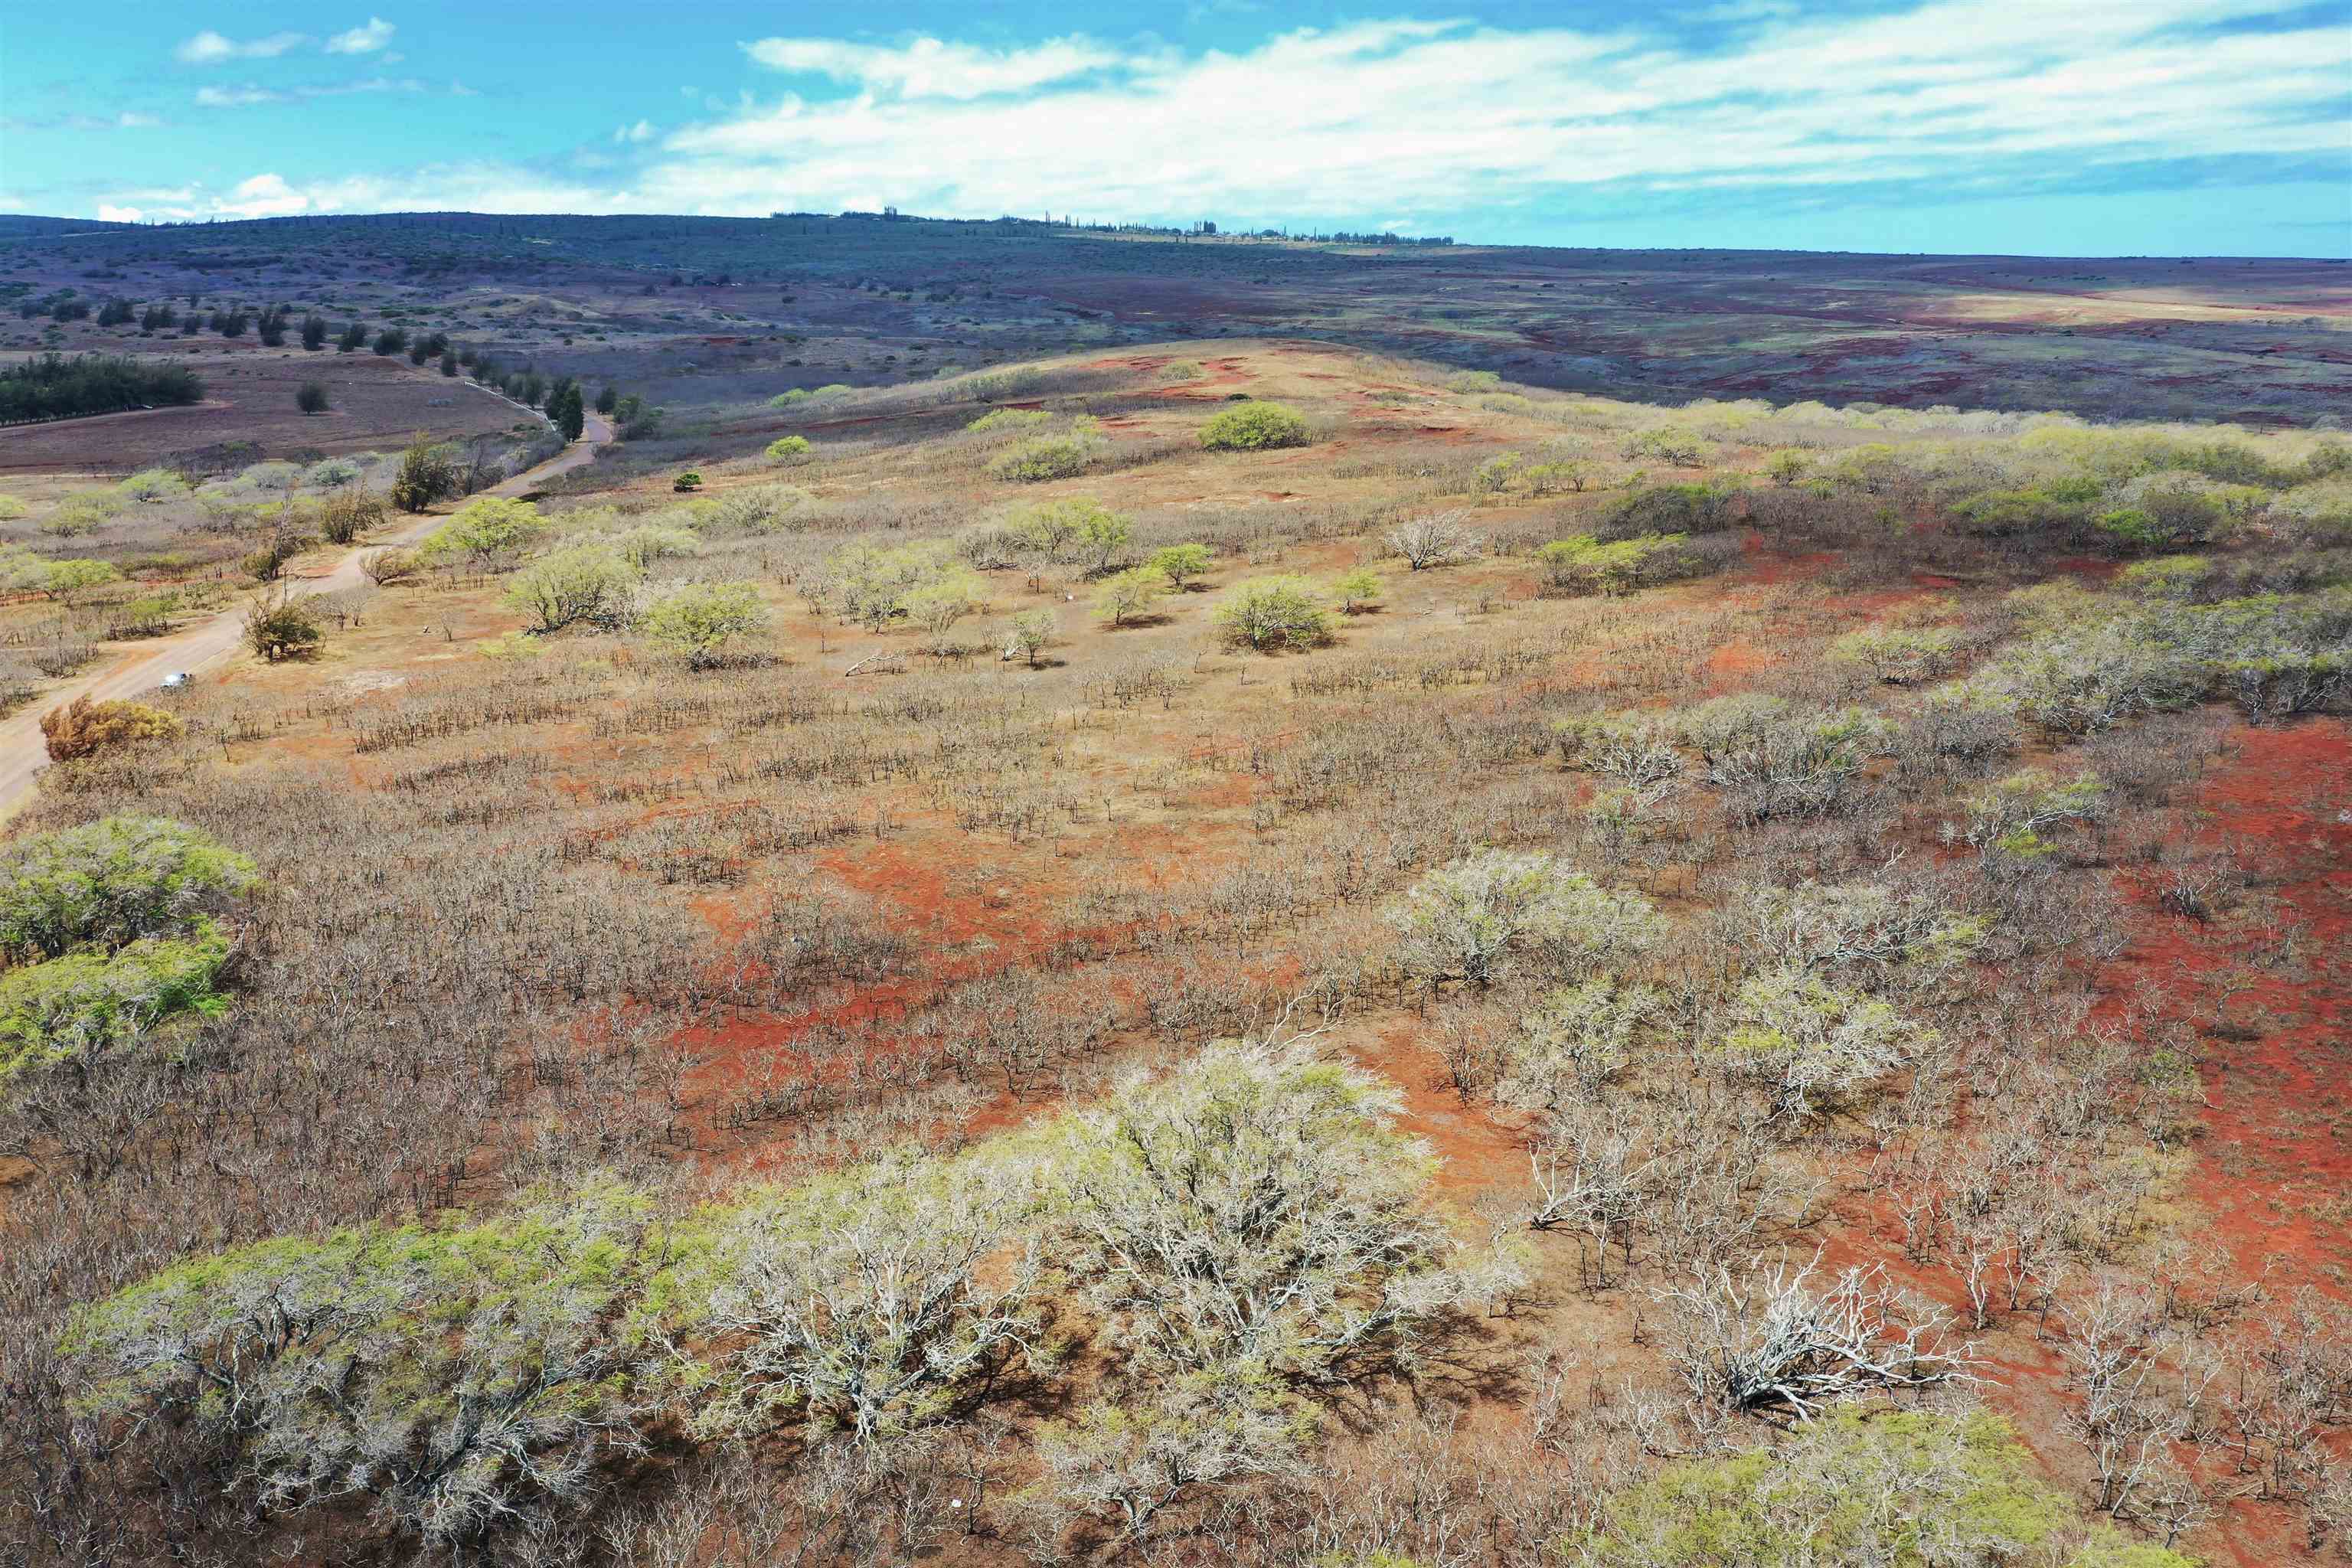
(1662, 510)
(788, 449)
(998, 419)
(2013, 814)
(111, 882)
(151, 486)
(484, 532)
(1257, 1214)
(1809, 1044)
(349, 513)
(1576, 1039)
(1486, 917)
(647, 543)
(1854, 1488)
(2081, 680)
(83, 727)
(865, 1303)
(1273, 612)
(1899, 656)
(1358, 591)
(1042, 457)
(699, 619)
(62, 579)
(111, 932)
(448, 1377)
(85, 1004)
(1029, 634)
(587, 583)
(310, 397)
(876, 585)
(385, 567)
(1581, 563)
(1797, 765)
(1253, 426)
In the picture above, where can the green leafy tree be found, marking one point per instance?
(1253, 426)
(608, 399)
(570, 414)
(314, 331)
(111, 882)
(451, 1378)
(1029, 634)
(391, 340)
(61, 580)
(87, 1004)
(310, 397)
(1273, 612)
(1179, 564)
(278, 627)
(586, 582)
(1124, 596)
(484, 531)
(427, 473)
(110, 933)
(1358, 591)
(788, 449)
(352, 337)
(699, 619)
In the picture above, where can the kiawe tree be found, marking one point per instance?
(450, 1377)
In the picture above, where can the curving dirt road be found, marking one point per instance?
(23, 752)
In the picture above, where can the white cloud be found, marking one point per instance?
(119, 214)
(236, 97)
(930, 69)
(361, 40)
(132, 119)
(369, 84)
(1445, 117)
(211, 48)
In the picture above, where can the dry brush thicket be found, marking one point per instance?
(811, 1054)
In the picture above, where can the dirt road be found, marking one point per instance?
(22, 751)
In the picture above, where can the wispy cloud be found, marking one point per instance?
(1949, 96)
(253, 93)
(211, 48)
(237, 97)
(128, 119)
(361, 40)
(929, 68)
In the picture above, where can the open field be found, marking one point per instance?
(1660, 838)
(704, 312)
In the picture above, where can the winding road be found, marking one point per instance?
(23, 752)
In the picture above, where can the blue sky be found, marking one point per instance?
(2071, 127)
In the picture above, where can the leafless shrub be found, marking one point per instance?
(1442, 539)
(1769, 1346)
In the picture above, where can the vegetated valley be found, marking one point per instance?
(1323, 940)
